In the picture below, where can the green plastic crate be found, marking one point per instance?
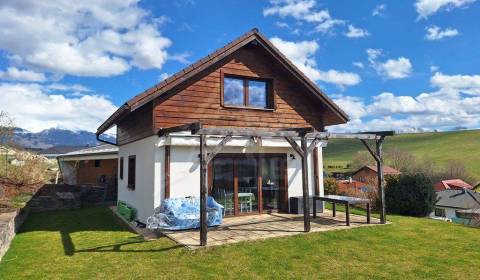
(126, 211)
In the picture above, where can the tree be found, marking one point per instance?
(362, 158)
(410, 194)
(400, 159)
(330, 185)
(6, 128)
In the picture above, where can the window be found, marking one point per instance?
(121, 168)
(131, 172)
(244, 92)
(97, 163)
(439, 212)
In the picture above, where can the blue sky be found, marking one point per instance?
(403, 65)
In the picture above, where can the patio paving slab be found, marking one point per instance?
(258, 227)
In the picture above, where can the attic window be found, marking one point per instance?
(247, 92)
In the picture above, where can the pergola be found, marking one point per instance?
(304, 133)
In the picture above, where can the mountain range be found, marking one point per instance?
(55, 137)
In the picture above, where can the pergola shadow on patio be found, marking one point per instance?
(258, 227)
(304, 134)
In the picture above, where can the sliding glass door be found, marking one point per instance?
(249, 183)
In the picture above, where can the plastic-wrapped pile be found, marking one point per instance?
(184, 213)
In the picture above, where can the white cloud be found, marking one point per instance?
(163, 76)
(302, 55)
(34, 108)
(465, 83)
(455, 102)
(354, 32)
(15, 74)
(434, 68)
(303, 11)
(379, 10)
(358, 64)
(436, 33)
(399, 68)
(426, 8)
(99, 38)
(70, 87)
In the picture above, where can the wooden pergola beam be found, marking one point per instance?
(193, 127)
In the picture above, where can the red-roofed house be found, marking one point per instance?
(368, 173)
(452, 184)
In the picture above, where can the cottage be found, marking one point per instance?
(243, 125)
(93, 166)
(456, 205)
(368, 173)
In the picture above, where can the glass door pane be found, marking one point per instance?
(271, 183)
(223, 189)
(247, 180)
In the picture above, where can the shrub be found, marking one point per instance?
(410, 194)
(330, 186)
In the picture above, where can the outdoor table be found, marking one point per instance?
(346, 200)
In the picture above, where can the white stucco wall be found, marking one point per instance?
(185, 168)
(148, 188)
(449, 213)
(185, 165)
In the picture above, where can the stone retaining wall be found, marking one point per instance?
(10, 223)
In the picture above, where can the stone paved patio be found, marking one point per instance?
(255, 227)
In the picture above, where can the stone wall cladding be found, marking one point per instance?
(10, 224)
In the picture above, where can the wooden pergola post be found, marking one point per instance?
(203, 190)
(378, 156)
(305, 187)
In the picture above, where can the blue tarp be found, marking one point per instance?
(184, 213)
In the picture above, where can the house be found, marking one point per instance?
(452, 184)
(368, 173)
(245, 87)
(94, 166)
(352, 187)
(455, 205)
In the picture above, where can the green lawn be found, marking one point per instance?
(91, 244)
(440, 146)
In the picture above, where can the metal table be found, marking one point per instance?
(346, 200)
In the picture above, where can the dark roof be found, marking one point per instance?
(463, 199)
(190, 71)
(58, 150)
(387, 170)
(96, 150)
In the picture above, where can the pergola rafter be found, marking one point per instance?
(303, 150)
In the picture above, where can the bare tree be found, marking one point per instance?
(400, 159)
(6, 128)
(362, 158)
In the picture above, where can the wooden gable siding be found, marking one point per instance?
(200, 98)
(137, 125)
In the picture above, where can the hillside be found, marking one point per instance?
(439, 146)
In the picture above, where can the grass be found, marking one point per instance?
(440, 146)
(91, 244)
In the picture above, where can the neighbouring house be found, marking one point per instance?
(452, 184)
(93, 166)
(244, 87)
(352, 187)
(55, 151)
(368, 173)
(456, 205)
